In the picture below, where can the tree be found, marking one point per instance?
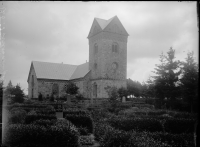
(112, 94)
(166, 81)
(134, 87)
(122, 92)
(72, 89)
(18, 95)
(189, 81)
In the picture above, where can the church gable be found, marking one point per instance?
(115, 26)
(95, 29)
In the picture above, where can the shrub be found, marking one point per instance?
(32, 117)
(178, 125)
(81, 121)
(140, 124)
(86, 140)
(176, 140)
(35, 135)
(16, 115)
(157, 112)
(75, 112)
(100, 129)
(44, 123)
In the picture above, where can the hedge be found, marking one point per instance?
(179, 125)
(139, 124)
(176, 140)
(33, 117)
(75, 112)
(35, 135)
(45, 123)
(110, 137)
(81, 121)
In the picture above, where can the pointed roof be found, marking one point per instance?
(105, 23)
(59, 71)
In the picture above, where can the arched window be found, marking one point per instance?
(95, 90)
(114, 47)
(95, 48)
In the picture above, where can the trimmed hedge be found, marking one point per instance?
(75, 112)
(176, 140)
(35, 135)
(139, 124)
(81, 121)
(110, 137)
(33, 117)
(45, 123)
(16, 115)
(179, 125)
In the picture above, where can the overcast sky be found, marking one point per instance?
(57, 32)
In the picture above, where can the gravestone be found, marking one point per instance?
(123, 99)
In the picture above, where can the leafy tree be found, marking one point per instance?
(72, 89)
(166, 81)
(134, 87)
(189, 81)
(113, 95)
(122, 92)
(18, 94)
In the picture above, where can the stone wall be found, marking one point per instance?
(32, 84)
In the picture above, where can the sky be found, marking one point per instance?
(57, 32)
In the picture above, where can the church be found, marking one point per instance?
(107, 65)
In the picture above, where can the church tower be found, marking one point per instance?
(107, 55)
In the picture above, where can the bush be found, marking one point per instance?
(110, 137)
(100, 129)
(16, 116)
(176, 140)
(45, 123)
(32, 117)
(81, 121)
(35, 135)
(178, 125)
(75, 112)
(140, 124)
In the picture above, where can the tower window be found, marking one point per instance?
(114, 47)
(95, 48)
(32, 80)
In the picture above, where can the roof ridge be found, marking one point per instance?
(54, 63)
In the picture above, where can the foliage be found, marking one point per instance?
(134, 88)
(16, 116)
(179, 125)
(79, 96)
(86, 140)
(175, 140)
(189, 81)
(53, 136)
(52, 98)
(16, 92)
(44, 122)
(33, 117)
(140, 124)
(167, 81)
(72, 89)
(81, 121)
(122, 92)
